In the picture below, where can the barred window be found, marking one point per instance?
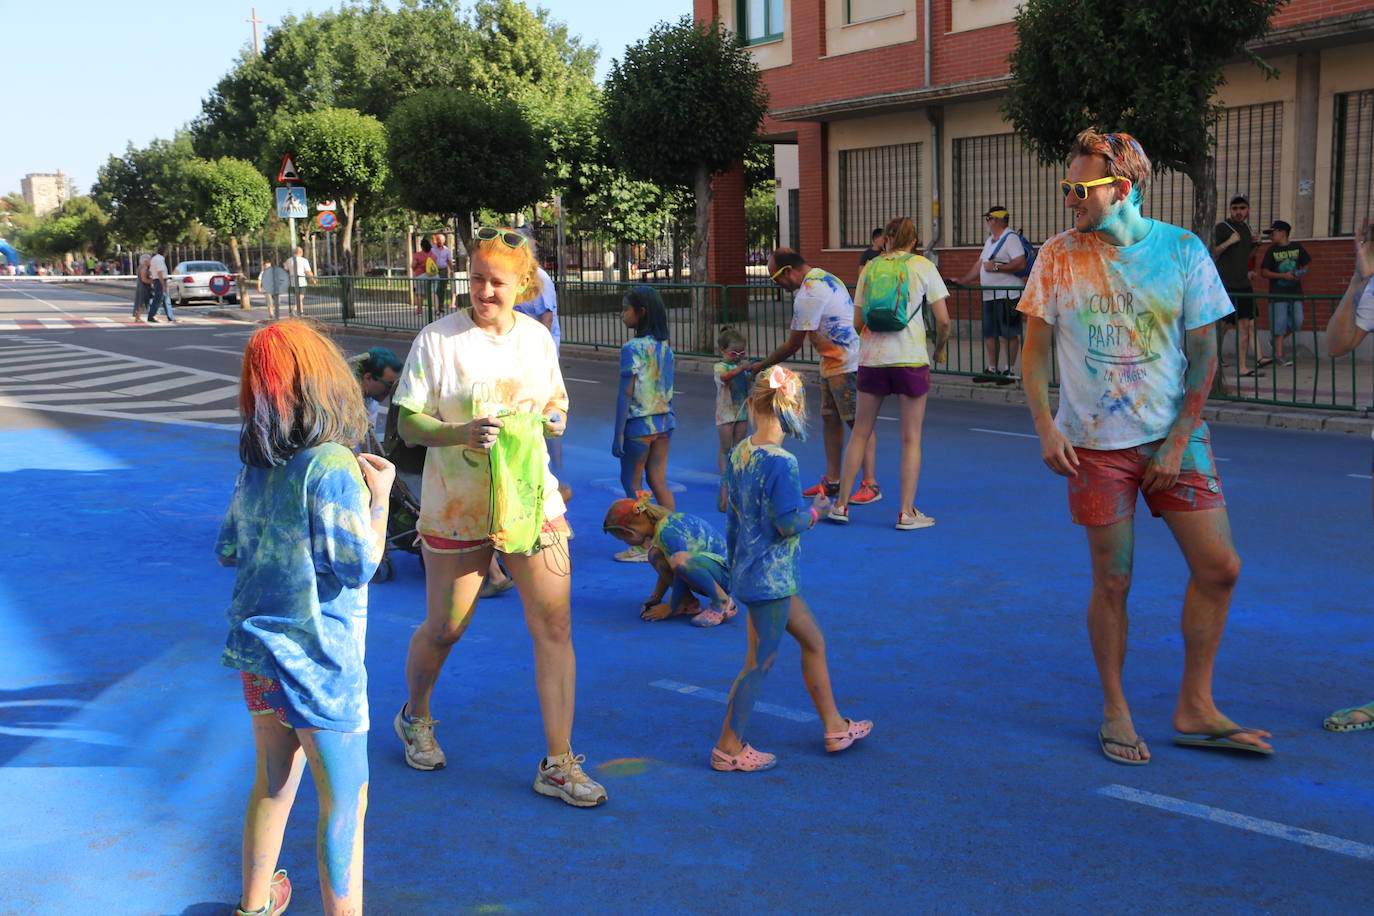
(1352, 161)
(876, 185)
(1249, 157)
(997, 169)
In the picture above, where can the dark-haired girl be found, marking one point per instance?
(644, 419)
(305, 530)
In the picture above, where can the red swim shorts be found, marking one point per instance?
(1104, 492)
(263, 696)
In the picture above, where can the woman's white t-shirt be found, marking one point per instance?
(456, 372)
(906, 347)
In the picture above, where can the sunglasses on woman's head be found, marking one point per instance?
(512, 239)
(1080, 188)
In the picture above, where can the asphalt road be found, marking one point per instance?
(126, 753)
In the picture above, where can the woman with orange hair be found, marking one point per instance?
(473, 382)
(305, 530)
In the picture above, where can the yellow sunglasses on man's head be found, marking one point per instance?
(1080, 188)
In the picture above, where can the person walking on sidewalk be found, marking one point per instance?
(1002, 257)
(159, 297)
(823, 311)
(1129, 304)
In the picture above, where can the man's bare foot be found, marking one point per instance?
(1120, 739)
(1215, 724)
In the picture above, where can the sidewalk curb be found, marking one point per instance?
(954, 388)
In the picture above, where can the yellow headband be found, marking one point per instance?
(997, 214)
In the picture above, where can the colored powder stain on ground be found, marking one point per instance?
(627, 766)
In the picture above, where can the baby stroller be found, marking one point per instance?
(404, 510)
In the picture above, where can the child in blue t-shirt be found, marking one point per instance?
(644, 419)
(688, 554)
(765, 515)
(305, 530)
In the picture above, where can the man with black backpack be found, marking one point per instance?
(1002, 267)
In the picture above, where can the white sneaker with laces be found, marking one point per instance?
(633, 555)
(562, 777)
(422, 751)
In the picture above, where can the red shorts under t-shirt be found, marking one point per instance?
(1104, 492)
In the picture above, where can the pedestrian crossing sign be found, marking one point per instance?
(291, 203)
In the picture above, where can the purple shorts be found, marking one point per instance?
(910, 381)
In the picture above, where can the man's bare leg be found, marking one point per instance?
(832, 436)
(1205, 539)
(1112, 548)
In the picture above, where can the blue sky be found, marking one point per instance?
(88, 78)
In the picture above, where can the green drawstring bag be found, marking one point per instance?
(517, 483)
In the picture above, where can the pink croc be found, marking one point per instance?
(747, 760)
(838, 741)
(714, 617)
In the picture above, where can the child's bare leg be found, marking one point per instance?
(338, 762)
(279, 766)
(699, 574)
(767, 621)
(815, 672)
(725, 434)
(632, 463)
(656, 471)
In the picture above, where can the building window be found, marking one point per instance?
(876, 185)
(759, 20)
(864, 10)
(1249, 157)
(1352, 161)
(998, 170)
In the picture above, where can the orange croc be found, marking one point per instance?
(838, 741)
(747, 760)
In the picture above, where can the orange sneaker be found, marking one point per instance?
(831, 488)
(868, 492)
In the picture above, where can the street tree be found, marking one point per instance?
(456, 152)
(684, 105)
(76, 226)
(232, 198)
(339, 153)
(146, 191)
(1146, 68)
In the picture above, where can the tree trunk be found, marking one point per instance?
(346, 255)
(236, 268)
(1203, 175)
(703, 308)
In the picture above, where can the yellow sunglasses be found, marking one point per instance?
(773, 277)
(1080, 188)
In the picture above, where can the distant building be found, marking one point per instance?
(45, 191)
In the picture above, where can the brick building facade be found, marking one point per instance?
(880, 108)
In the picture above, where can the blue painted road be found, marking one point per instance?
(126, 750)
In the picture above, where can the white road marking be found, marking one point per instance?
(118, 415)
(123, 376)
(1003, 432)
(893, 419)
(782, 712)
(585, 381)
(104, 364)
(229, 351)
(1360, 476)
(1243, 821)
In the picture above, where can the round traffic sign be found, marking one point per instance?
(219, 284)
(327, 220)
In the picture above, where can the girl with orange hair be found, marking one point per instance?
(305, 530)
(765, 516)
(474, 380)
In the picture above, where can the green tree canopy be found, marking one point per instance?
(1146, 68)
(339, 153)
(146, 191)
(77, 225)
(367, 57)
(684, 104)
(454, 152)
(232, 198)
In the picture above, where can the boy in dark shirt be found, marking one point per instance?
(874, 248)
(1283, 264)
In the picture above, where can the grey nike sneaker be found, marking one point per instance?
(422, 751)
(563, 777)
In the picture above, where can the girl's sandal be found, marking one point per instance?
(278, 897)
(711, 618)
(1340, 720)
(838, 741)
(747, 760)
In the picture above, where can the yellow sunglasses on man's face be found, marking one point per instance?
(1080, 188)
(773, 277)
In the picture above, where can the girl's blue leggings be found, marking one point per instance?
(701, 575)
(769, 619)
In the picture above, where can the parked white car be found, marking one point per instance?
(191, 280)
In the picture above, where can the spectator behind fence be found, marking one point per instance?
(273, 282)
(1002, 256)
(421, 263)
(443, 261)
(299, 272)
(1283, 264)
(875, 247)
(823, 311)
(1128, 304)
(1232, 244)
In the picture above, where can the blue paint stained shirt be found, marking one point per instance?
(546, 301)
(304, 551)
(765, 514)
(649, 409)
(680, 532)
